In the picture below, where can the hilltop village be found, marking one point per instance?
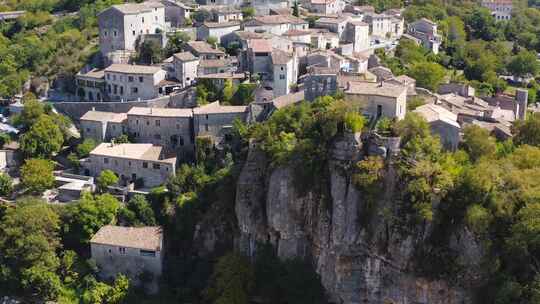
(187, 105)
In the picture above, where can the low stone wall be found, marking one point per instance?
(75, 110)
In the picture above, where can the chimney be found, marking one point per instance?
(522, 96)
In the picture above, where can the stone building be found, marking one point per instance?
(167, 127)
(204, 51)
(378, 99)
(103, 126)
(321, 81)
(185, 68)
(129, 251)
(326, 7)
(216, 121)
(442, 123)
(335, 25)
(500, 9)
(121, 26)
(143, 164)
(384, 25)
(218, 30)
(275, 24)
(425, 30)
(133, 82)
(285, 71)
(91, 85)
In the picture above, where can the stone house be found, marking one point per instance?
(185, 68)
(91, 85)
(142, 164)
(218, 80)
(407, 81)
(442, 123)
(326, 7)
(425, 30)
(216, 121)
(378, 99)
(275, 24)
(324, 40)
(222, 14)
(231, 3)
(335, 25)
(500, 9)
(133, 82)
(384, 25)
(215, 66)
(285, 71)
(321, 81)
(103, 126)
(258, 58)
(203, 50)
(121, 26)
(176, 13)
(358, 35)
(169, 128)
(302, 36)
(218, 30)
(129, 251)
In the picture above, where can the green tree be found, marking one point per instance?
(202, 95)
(176, 43)
(248, 12)
(105, 179)
(86, 216)
(101, 293)
(228, 91)
(28, 242)
(527, 131)
(296, 10)
(139, 212)
(213, 41)
(43, 139)
(37, 175)
(524, 64)
(6, 184)
(478, 143)
(83, 149)
(428, 75)
(232, 280)
(149, 52)
(32, 111)
(412, 126)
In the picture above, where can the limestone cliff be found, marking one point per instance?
(361, 259)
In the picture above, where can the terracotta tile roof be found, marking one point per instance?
(260, 45)
(322, 1)
(377, 89)
(93, 73)
(104, 116)
(185, 56)
(214, 63)
(286, 100)
(216, 108)
(432, 113)
(296, 33)
(146, 238)
(279, 19)
(136, 8)
(132, 69)
(280, 57)
(246, 35)
(337, 20)
(223, 76)
(160, 112)
(202, 47)
(129, 151)
(221, 24)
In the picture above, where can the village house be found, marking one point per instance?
(176, 13)
(203, 50)
(224, 13)
(218, 80)
(231, 3)
(91, 85)
(285, 71)
(134, 82)
(215, 66)
(185, 68)
(130, 251)
(384, 26)
(442, 123)
(169, 128)
(425, 30)
(326, 7)
(216, 121)
(335, 25)
(357, 33)
(500, 9)
(103, 126)
(120, 26)
(275, 24)
(407, 81)
(324, 40)
(218, 30)
(145, 165)
(378, 99)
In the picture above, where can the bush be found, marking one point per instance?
(6, 184)
(106, 179)
(37, 175)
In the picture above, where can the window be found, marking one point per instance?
(134, 33)
(87, 129)
(281, 68)
(206, 116)
(181, 141)
(141, 79)
(156, 166)
(145, 165)
(105, 160)
(142, 19)
(121, 90)
(129, 164)
(135, 90)
(115, 33)
(137, 122)
(206, 127)
(281, 76)
(108, 76)
(130, 78)
(157, 136)
(158, 123)
(109, 88)
(114, 77)
(105, 33)
(122, 250)
(147, 122)
(147, 253)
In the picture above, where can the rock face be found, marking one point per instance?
(360, 258)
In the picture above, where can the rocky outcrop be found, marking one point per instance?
(361, 259)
